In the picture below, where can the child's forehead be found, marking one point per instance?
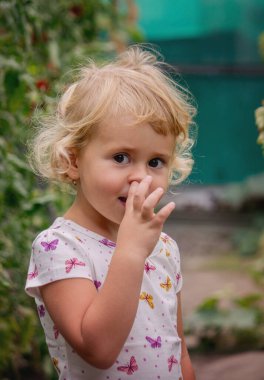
(126, 131)
(116, 123)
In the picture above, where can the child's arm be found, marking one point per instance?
(186, 365)
(96, 324)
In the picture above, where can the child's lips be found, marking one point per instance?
(122, 200)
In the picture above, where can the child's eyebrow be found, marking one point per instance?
(124, 149)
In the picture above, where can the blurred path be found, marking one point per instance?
(202, 243)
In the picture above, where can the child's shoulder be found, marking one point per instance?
(59, 230)
(64, 232)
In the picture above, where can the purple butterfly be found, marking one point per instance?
(97, 284)
(56, 332)
(50, 246)
(107, 242)
(178, 277)
(155, 343)
(41, 310)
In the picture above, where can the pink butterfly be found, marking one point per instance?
(107, 242)
(148, 267)
(165, 238)
(171, 361)
(72, 264)
(155, 343)
(50, 246)
(178, 276)
(97, 284)
(33, 274)
(129, 368)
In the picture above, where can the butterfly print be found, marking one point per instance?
(33, 274)
(171, 361)
(167, 253)
(166, 285)
(107, 242)
(178, 277)
(72, 264)
(50, 246)
(80, 240)
(56, 332)
(130, 368)
(41, 311)
(165, 239)
(149, 267)
(55, 362)
(97, 284)
(147, 297)
(155, 343)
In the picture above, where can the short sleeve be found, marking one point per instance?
(178, 273)
(56, 254)
(174, 260)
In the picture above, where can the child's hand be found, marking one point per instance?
(140, 228)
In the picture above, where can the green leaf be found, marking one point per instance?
(209, 304)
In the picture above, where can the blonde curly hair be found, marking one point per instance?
(135, 83)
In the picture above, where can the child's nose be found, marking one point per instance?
(137, 173)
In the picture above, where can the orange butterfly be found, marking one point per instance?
(55, 362)
(147, 297)
(166, 285)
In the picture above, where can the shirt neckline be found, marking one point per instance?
(59, 221)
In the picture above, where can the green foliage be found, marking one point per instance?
(40, 40)
(259, 112)
(259, 116)
(250, 244)
(257, 270)
(246, 242)
(240, 326)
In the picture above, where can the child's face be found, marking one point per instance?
(119, 154)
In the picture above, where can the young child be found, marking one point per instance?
(105, 278)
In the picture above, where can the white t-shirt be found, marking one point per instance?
(153, 347)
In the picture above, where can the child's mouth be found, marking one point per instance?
(122, 200)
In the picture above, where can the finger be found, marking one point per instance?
(151, 202)
(130, 195)
(141, 192)
(165, 212)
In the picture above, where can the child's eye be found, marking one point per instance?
(156, 163)
(121, 158)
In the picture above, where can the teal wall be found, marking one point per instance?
(165, 19)
(226, 148)
(214, 44)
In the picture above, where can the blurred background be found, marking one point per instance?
(217, 49)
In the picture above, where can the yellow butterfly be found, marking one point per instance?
(167, 253)
(166, 285)
(56, 363)
(147, 297)
(80, 240)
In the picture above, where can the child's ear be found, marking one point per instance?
(73, 170)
